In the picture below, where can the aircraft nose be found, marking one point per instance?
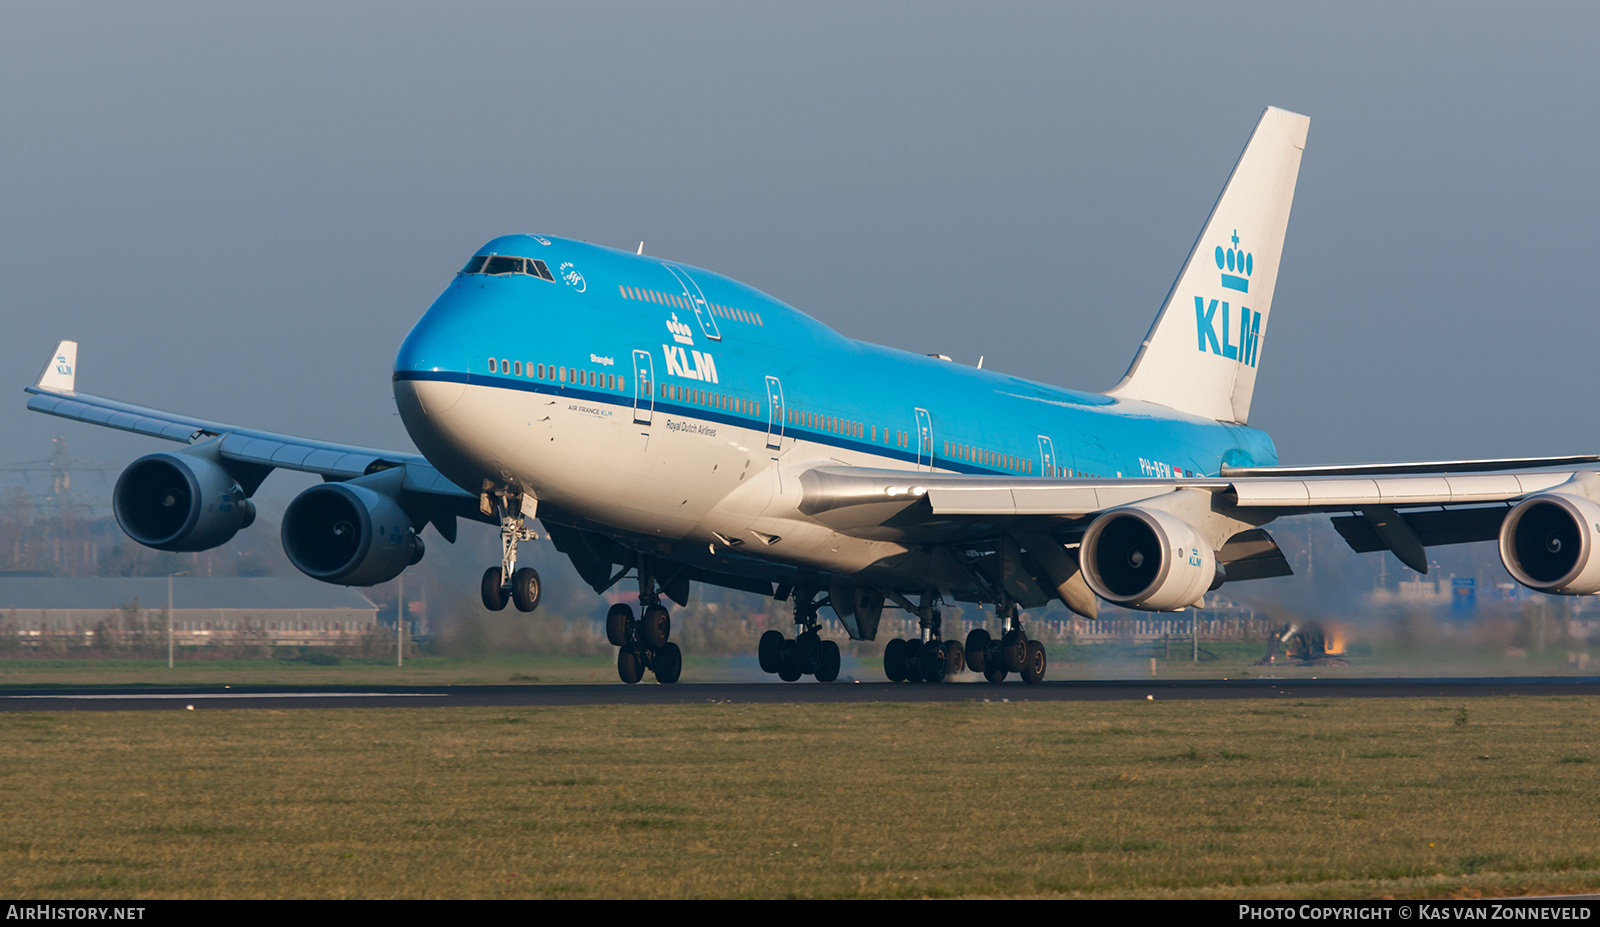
(431, 366)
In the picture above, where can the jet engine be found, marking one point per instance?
(1147, 559)
(349, 534)
(1548, 543)
(180, 502)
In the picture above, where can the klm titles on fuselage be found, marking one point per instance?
(689, 364)
(1213, 326)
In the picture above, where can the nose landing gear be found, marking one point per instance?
(505, 582)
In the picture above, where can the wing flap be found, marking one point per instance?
(1313, 494)
(1432, 528)
(1424, 466)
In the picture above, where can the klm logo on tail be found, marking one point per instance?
(1236, 267)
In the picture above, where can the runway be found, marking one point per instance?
(211, 698)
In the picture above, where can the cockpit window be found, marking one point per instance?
(500, 265)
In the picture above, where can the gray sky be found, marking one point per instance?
(239, 210)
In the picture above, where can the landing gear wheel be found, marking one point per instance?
(828, 663)
(617, 621)
(767, 651)
(525, 589)
(955, 659)
(932, 661)
(808, 650)
(1014, 649)
(894, 660)
(657, 626)
(629, 666)
(977, 646)
(1033, 669)
(994, 664)
(913, 660)
(494, 589)
(788, 662)
(668, 664)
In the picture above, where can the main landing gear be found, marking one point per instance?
(643, 641)
(805, 655)
(505, 582)
(929, 658)
(1012, 653)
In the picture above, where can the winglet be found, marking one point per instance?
(60, 373)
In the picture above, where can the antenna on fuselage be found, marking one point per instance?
(980, 361)
(641, 248)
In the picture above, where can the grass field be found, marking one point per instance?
(1337, 798)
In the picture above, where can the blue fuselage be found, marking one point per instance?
(722, 353)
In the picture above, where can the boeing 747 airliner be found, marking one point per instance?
(672, 426)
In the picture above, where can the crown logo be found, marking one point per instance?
(1236, 265)
(680, 331)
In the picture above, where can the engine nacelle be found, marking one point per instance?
(1549, 543)
(341, 533)
(180, 502)
(1147, 559)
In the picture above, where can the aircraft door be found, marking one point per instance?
(644, 384)
(697, 302)
(1047, 457)
(776, 414)
(924, 439)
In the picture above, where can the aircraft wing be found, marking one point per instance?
(257, 452)
(1395, 510)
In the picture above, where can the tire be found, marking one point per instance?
(828, 664)
(618, 619)
(1014, 650)
(894, 660)
(629, 666)
(767, 651)
(977, 646)
(525, 589)
(788, 662)
(494, 589)
(913, 660)
(668, 664)
(955, 659)
(808, 651)
(931, 661)
(656, 628)
(994, 664)
(1033, 669)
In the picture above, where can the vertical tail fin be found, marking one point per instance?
(1201, 353)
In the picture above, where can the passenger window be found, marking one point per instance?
(541, 371)
(493, 365)
(563, 372)
(517, 368)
